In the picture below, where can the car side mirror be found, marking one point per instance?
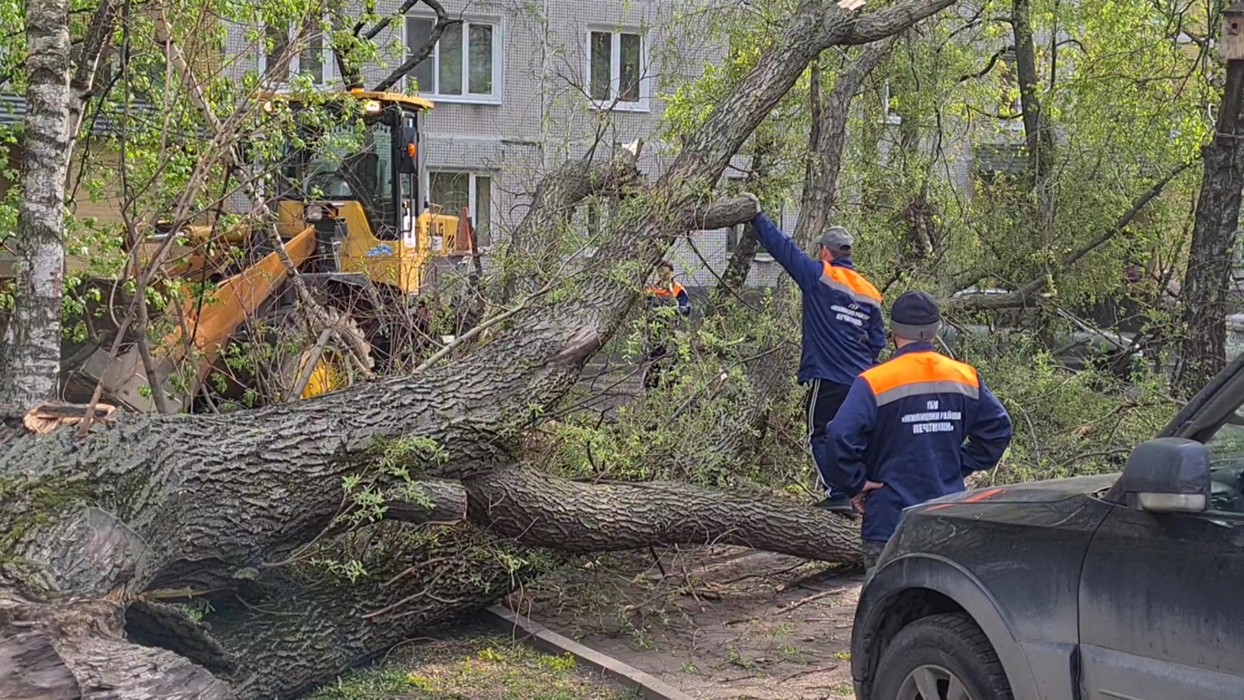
(1166, 475)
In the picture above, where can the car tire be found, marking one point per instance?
(940, 652)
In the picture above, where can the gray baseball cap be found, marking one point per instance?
(837, 240)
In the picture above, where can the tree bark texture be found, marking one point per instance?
(221, 506)
(537, 509)
(1207, 281)
(31, 358)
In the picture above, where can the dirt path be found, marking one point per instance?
(718, 623)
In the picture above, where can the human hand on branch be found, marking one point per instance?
(755, 200)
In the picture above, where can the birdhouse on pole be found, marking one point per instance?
(1233, 32)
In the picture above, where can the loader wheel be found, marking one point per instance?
(335, 365)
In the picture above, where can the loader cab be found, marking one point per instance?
(360, 148)
(353, 173)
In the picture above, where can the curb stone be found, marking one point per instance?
(544, 639)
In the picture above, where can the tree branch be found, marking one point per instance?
(443, 22)
(892, 20)
(993, 61)
(538, 509)
(730, 212)
(427, 503)
(1022, 296)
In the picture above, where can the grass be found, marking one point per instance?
(487, 667)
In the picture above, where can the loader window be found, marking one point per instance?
(344, 165)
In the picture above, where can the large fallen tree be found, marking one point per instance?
(242, 514)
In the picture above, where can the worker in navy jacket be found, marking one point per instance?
(843, 333)
(913, 427)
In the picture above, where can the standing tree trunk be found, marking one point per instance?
(31, 360)
(1038, 137)
(1202, 350)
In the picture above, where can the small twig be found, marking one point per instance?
(791, 606)
(657, 560)
(413, 568)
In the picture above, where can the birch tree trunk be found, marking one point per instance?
(31, 359)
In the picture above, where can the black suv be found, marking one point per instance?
(1119, 587)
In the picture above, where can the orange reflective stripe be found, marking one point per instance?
(921, 373)
(664, 292)
(852, 283)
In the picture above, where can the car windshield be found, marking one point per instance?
(1226, 450)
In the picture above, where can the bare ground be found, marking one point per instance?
(717, 623)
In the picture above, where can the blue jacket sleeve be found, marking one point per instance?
(850, 431)
(803, 269)
(988, 435)
(684, 302)
(876, 334)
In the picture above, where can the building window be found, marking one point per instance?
(454, 190)
(992, 161)
(311, 58)
(615, 69)
(465, 63)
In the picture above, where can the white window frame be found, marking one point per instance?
(472, 195)
(888, 116)
(295, 61)
(615, 69)
(498, 61)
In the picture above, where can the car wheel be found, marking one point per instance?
(942, 657)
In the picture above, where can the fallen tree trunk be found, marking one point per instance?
(236, 508)
(537, 509)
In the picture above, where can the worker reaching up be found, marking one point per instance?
(913, 427)
(663, 294)
(843, 334)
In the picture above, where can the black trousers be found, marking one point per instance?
(824, 400)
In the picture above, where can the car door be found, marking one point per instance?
(1162, 607)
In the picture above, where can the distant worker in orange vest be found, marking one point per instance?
(664, 293)
(913, 427)
(843, 334)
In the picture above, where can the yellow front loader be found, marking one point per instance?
(365, 242)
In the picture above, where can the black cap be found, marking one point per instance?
(915, 316)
